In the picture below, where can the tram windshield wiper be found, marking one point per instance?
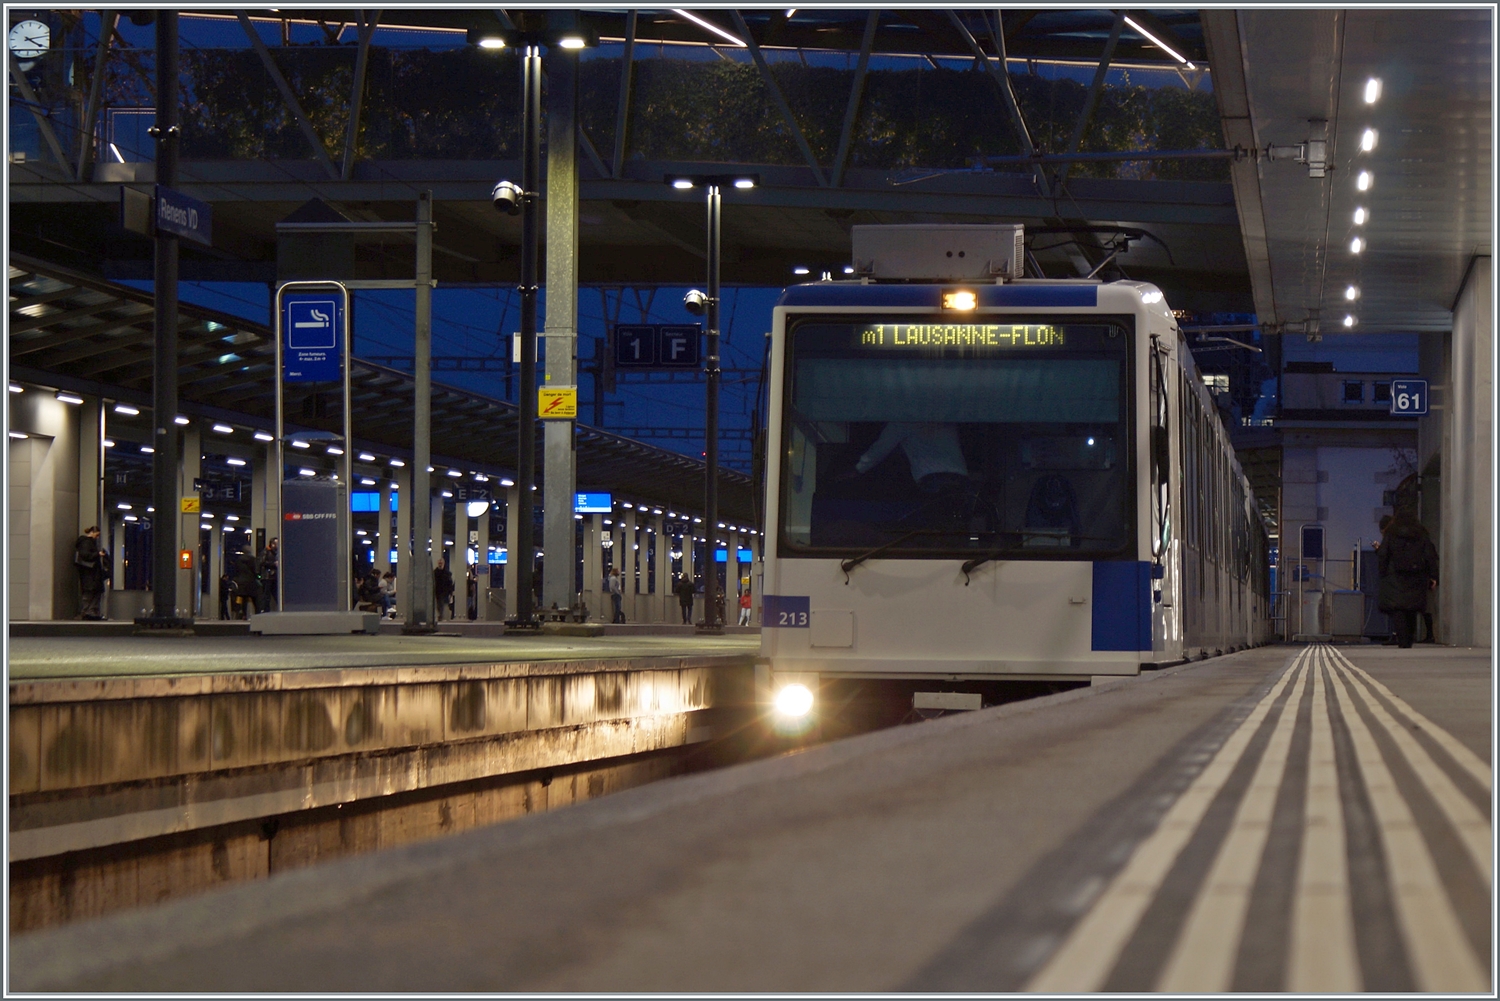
(853, 562)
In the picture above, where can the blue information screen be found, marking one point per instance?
(745, 556)
(312, 330)
(593, 503)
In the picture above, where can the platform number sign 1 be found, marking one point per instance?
(1409, 397)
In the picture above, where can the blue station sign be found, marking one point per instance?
(1409, 397)
(658, 346)
(312, 331)
(185, 217)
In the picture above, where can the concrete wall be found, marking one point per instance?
(1465, 539)
(43, 488)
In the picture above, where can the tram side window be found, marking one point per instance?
(1013, 442)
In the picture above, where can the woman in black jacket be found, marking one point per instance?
(1408, 573)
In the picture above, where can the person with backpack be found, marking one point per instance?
(442, 588)
(1408, 573)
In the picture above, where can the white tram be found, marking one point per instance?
(975, 480)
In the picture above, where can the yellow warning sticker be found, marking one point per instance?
(558, 403)
(191, 505)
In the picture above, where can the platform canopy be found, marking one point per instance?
(80, 333)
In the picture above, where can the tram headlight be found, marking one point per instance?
(794, 701)
(962, 300)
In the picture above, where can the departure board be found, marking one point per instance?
(977, 336)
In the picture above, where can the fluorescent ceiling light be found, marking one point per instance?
(1372, 90)
(366, 481)
(455, 472)
(1364, 180)
(1360, 215)
(1367, 140)
(397, 462)
(180, 420)
(66, 397)
(306, 472)
(732, 39)
(264, 436)
(507, 483)
(492, 43)
(299, 443)
(108, 443)
(1356, 245)
(126, 409)
(799, 270)
(19, 434)
(1351, 293)
(235, 462)
(148, 450)
(334, 450)
(16, 389)
(571, 42)
(366, 457)
(743, 182)
(1159, 44)
(223, 429)
(682, 184)
(1348, 321)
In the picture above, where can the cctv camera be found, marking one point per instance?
(507, 197)
(695, 302)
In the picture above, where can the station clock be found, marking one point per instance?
(29, 39)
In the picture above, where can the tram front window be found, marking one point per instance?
(934, 438)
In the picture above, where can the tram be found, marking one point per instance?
(976, 478)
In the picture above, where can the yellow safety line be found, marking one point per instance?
(1465, 758)
(1322, 957)
(1435, 943)
(1091, 949)
(1472, 827)
(1202, 961)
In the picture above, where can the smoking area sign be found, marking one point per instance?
(312, 327)
(559, 404)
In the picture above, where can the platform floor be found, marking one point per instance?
(36, 658)
(1305, 819)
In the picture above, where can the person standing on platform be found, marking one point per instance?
(442, 587)
(685, 592)
(270, 576)
(1408, 573)
(247, 584)
(90, 573)
(616, 595)
(745, 606)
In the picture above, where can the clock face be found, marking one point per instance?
(30, 39)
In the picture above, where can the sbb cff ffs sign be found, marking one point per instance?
(658, 346)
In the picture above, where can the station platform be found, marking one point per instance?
(1305, 819)
(37, 658)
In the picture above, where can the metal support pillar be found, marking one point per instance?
(460, 537)
(91, 465)
(663, 543)
(522, 555)
(190, 467)
(732, 579)
(593, 570)
(86, 134)
(560, 475)
(481, 595)
(215, 571)
(165, 614)
(419, 584)
(512, 550)
(383, 542)
(406, 560)
(630, 564)
(711, 621)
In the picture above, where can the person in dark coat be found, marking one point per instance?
(247, 583)
(270, 576)
(685, 592)
(90, 573)
(1408, 573)
(442, 587)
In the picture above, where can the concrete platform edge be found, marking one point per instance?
(45, 960)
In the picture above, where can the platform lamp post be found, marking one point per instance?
(523, 199)
(707, 305)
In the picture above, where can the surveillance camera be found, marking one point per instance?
(695, 302)
(507, 197)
